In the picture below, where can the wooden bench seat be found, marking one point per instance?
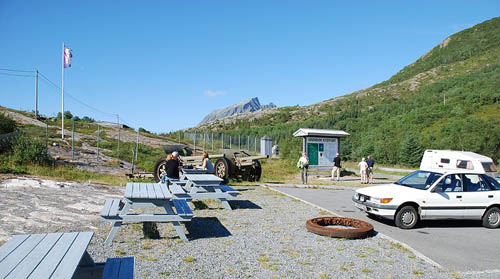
(112, 208)
(119, 268)
(175, 189)
(182, 207)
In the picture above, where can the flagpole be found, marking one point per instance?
(62, 93)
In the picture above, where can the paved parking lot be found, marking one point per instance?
(456, 245)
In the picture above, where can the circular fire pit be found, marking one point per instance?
(358, 228)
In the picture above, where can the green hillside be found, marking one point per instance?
(447, 99)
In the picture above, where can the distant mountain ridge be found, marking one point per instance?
(250, 105)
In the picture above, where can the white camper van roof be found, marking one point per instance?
(449, 160)
(464, 155)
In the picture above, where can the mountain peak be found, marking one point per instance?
(249, 105)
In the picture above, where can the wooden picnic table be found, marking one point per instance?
(204, 186)
(48, 255)
(146, 195)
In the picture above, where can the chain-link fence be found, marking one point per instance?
(216, 141)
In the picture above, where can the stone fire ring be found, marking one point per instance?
(359, 229)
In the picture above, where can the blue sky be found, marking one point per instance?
(163, 65)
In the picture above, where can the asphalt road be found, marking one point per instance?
(456, 245)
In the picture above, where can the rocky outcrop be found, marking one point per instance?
(250, 105)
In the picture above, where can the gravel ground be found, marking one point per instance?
(264, 237)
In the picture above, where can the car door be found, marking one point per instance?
(477, 196)
(444, 201)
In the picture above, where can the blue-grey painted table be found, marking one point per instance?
(146, 195)
(49, 255)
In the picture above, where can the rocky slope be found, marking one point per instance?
(250, 105)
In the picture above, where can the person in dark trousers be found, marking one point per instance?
(336, 167)
(369, 170)
(172, 166)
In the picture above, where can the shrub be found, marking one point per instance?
(7, 124)
(29, 150)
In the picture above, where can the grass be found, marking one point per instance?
(366, 270)
(417, 272)
(188, 259)
(65, 172)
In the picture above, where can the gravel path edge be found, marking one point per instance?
(417, 253)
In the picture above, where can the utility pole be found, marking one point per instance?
(62, 93)
(36, 93)
(118, 150)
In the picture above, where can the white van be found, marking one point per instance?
(446, 160)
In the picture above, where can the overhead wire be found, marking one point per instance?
(13, 70)
(51, 83)
(16, 75)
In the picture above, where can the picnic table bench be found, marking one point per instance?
(146, 195)
(56, 255)
(198, 186)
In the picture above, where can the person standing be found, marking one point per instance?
(362, 170)
(336, 167)
(369, 170)
(303, 164)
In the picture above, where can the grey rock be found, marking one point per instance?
(250, 105)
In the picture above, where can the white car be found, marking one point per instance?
(427, 195)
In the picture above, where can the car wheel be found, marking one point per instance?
(407, 217)
(491, 218)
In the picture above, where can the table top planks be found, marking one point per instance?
(152, 191)
(52, 255)
(200, 178)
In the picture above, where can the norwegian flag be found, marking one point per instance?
(67, 57)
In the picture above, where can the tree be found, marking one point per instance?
(410, 152)
(67, 115)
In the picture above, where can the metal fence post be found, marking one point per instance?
(136, 150)
(98, 139)
(204, 140)
(179, 137)
(239, 142)
(132, 160)
(212, 141)
(47, 133)
(118, 149)
(255, 139)
(248, 143)
(222, 141)
(194, 153)
(73, 140)
(230, 139)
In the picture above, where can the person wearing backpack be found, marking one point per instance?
(303, 164)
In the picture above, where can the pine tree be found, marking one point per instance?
(411, 151)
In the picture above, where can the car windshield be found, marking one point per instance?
(419, 179)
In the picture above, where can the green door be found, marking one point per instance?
(312, 153)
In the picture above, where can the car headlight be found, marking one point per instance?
(385, 200)
(356, 195)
